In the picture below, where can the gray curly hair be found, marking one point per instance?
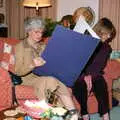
(34, 23)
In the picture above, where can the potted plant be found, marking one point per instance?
(49, 27)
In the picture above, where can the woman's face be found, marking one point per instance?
(66, 23)
(35, 34)
(104, 35)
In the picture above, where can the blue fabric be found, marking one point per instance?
(66, 55)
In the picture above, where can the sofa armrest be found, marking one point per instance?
(112, 69)
(11, 41)
(4, 76)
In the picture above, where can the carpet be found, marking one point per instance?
(114, 114)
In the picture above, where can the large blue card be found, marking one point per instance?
(66, 55)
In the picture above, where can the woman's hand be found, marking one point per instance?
(88, 81)
(39, 61)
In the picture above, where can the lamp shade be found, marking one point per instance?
(36, 3)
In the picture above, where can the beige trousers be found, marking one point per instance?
(42, 83)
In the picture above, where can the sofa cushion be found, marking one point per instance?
(112, 70)
(7, 59)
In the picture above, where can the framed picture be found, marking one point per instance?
(1, 3)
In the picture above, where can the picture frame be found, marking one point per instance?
(1, 3)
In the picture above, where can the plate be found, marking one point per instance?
(10, 113)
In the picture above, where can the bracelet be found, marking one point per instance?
(70, 113)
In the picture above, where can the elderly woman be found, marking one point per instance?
(27, 55)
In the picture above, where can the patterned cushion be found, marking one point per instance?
(7, 59)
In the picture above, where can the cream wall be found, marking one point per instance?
(65, 7)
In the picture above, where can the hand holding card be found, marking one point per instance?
(39, 61)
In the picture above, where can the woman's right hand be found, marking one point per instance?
(39, 61)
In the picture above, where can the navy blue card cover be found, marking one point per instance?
(66, 55)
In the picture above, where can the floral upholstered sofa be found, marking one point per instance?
(112, 72)
(116, 83)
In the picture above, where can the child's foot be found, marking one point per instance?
(86, 117)
(106, 116)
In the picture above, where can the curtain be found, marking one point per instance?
(110, 9)
(16, 14)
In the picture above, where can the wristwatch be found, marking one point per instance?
(72, 111)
